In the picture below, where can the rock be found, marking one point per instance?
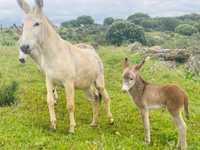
(135, 47)
(177, 55)
(194, 64)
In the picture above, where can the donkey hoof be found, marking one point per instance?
(53, 126)
(94, 125)
(71, 130)
(147, 142)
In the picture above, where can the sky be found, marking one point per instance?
(62, 10)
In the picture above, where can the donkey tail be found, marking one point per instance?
(187, 114)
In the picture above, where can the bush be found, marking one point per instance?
(124, 31)
(186, 29)
(7, 94)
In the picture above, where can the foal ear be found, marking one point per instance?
(142, 63)
(24, 6)
(126, 63)
(39, 4)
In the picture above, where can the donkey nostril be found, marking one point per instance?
(25, 49)
(22, 60)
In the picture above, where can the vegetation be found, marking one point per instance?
(186, 29)
(108, 21)
(26, 125)
(122, 31)
(80, 21)
(7, 94)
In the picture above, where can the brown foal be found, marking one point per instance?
(149, 96)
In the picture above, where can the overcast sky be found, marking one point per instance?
(62, 10)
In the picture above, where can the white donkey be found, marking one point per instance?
(73, 66)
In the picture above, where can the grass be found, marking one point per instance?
(26, 125)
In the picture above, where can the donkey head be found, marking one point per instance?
(34, 27)
(130, 74)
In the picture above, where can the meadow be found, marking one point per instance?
(25, 125)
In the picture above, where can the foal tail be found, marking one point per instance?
(187, 114)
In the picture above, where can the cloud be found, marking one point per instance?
(62, 10)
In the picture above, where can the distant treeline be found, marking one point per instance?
(119, 31)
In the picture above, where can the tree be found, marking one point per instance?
(71, 23)
(186, 29)
(124, 31)
(108, 21)
(137, 18)
(85, 20)
(151, 24)
(168, 23)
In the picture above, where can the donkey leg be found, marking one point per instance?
(70, 91)
(100, 85)
(55, 95)
(146, 124)
(95, 110)
(181, 126)
(51, 102)
(107, 104)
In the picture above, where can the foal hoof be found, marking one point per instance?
(111, 121)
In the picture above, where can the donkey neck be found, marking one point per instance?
(53, 43)
(138, 89)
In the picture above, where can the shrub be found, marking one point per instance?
(186, 29)
(124, 31)
(7, 94)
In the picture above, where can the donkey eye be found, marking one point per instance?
(36, 24)
(131, 79)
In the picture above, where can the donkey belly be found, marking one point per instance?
(86, 76)
(88, 68)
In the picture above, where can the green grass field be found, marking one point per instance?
(25, 126)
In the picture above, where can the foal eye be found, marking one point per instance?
(36, 24)
(131, 79)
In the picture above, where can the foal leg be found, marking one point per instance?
(51, 102)
(70, 91)
(95, 107)
(146, 124)
(181, 126)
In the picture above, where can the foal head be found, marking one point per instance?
(34, 28)
(130, 74)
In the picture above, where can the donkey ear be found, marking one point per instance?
(126, 63)
(24, 6)
(39, 4)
